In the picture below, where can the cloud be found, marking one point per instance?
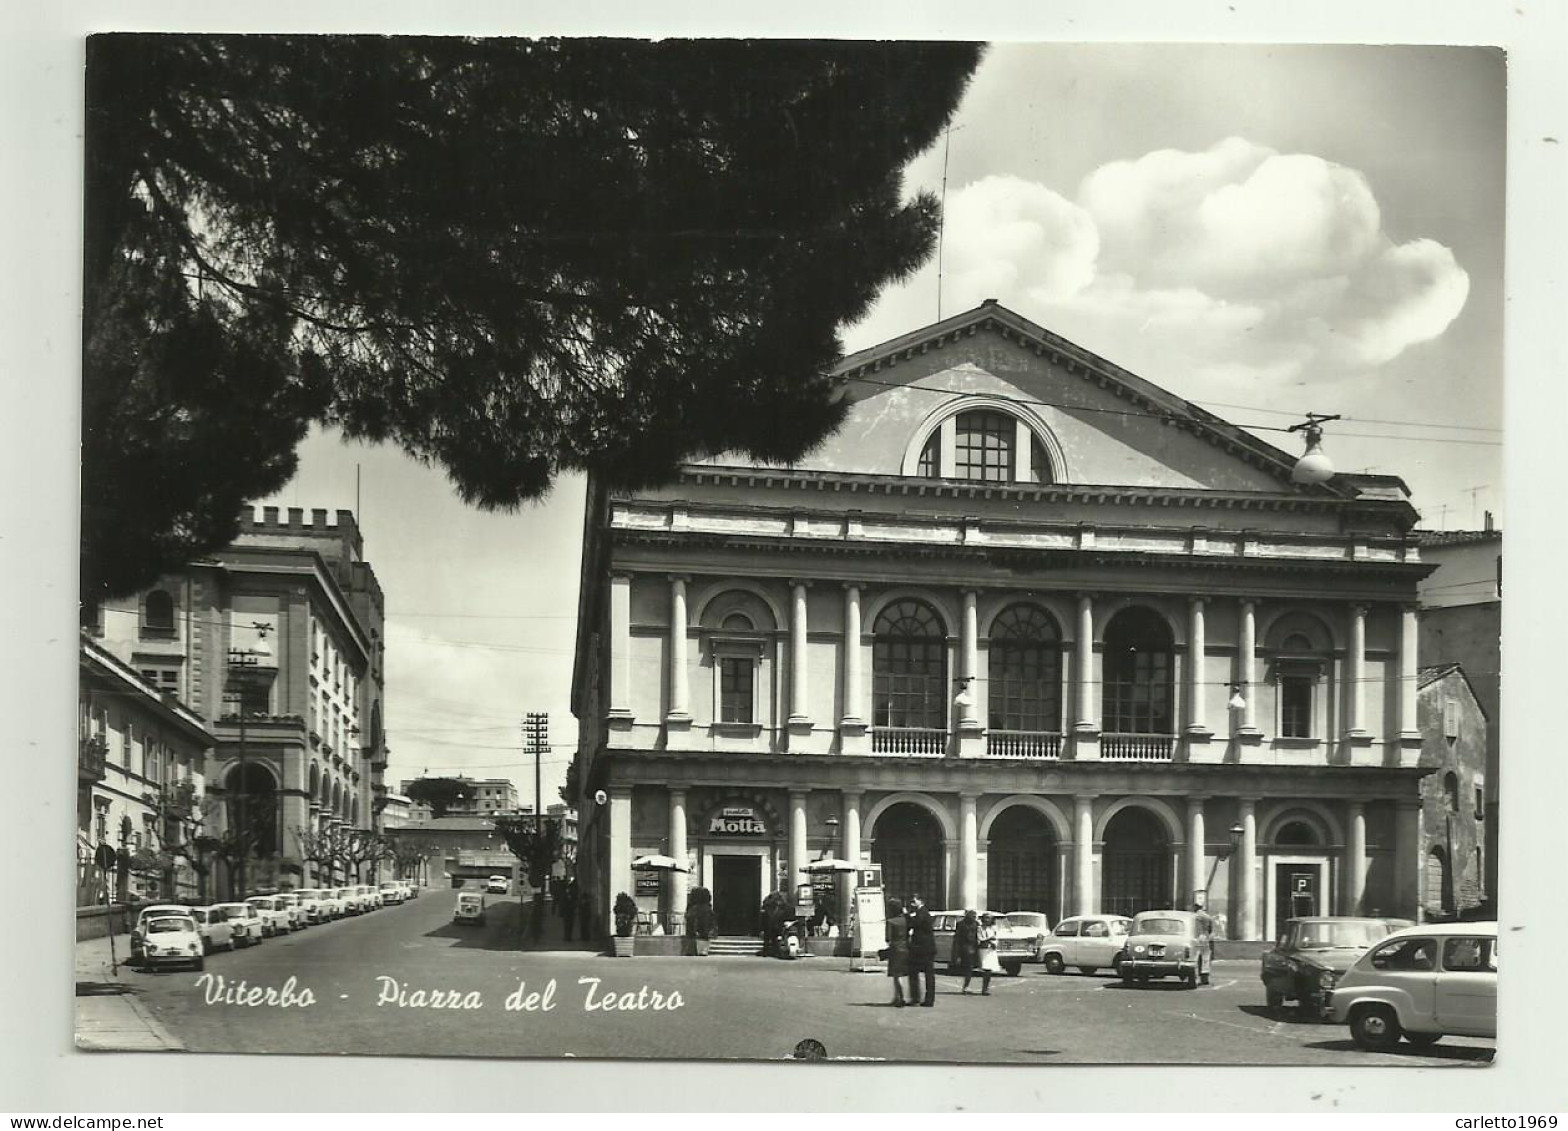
(1233, 265)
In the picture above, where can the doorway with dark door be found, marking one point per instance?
(1298, 893)
(737, 893)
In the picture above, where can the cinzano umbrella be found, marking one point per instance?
(658, 864)
(829, 864)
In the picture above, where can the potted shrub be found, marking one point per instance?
(625, 923)
(700, 919)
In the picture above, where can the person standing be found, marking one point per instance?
(568, 907)
(897, 951)
(990, 962)
(966, 947)
(922, 953)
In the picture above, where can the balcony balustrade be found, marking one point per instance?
(91, 760)
(1137, 747)
(1023, 744)
(909, 741)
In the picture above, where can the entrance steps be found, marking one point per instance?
(746, 946)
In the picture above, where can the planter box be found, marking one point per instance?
(700, 946)
(659, 946)
(624, 946)
(828, 948)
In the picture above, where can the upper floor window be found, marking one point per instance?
(1300, 662)
(1025, 684)
(909, 666)
(1140, 674)
(985, 446)
(158, 613)
(736, 685)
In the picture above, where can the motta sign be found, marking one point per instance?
(735, 820)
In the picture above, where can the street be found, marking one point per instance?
(406, 980)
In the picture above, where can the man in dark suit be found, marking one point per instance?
(922, 952)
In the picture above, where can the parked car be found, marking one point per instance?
(369, 896)
(290, 902)
(498, 884)
(1169, 944)
(275, 917)
(138, 931)
(244, 919)
(213, 926)
(413, 888)
(349, 898)
(1421, 983)
(1014, 945)
(1310, 957)
(1037, 923)
(470, 907)
(1089, 942)
(172, 939)
(392, 892)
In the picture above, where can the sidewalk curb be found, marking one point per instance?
(120, 1023)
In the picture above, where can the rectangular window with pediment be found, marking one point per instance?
(1296, 687)
(737, 676)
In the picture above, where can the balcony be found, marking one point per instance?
(1023, 744)
(92, 756)
(923, 742)
(1137, 747)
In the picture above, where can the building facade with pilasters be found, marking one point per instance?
(1029, 632)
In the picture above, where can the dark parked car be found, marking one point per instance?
(1312, 954)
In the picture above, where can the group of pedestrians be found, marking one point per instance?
(911, 951)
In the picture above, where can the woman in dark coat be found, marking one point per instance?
(897, 949)
(965, 958)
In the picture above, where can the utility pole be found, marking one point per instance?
(536, 739)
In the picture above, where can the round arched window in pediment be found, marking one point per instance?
(985, 445)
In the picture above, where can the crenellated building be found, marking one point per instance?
(277, 642)
(1029, 632)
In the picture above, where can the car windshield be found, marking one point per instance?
(1026, 920)
(1338, 936)
(170, 926)
(1159, 927)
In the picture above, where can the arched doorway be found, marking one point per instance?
(253, 807)
(1299, 874)
(907, 842)
(1021, 862)
(1438, 898)
(1136, 864)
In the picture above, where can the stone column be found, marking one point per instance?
(854, 690)
(968, 716)
(1358, 669)
(799, 852)
(799, 715)
(1088, 717)
(680, 697)
(1356, 859)
(678, 880)
(851, 826)
(1083, 853)
(1246, 665)
(969, 852)
(620, 870)
(1197, 876)
(1246, 920)
(620, 644)
(1409, 724)
(1197, 723)
(1407, 861)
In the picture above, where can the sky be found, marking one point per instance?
(1264, 230)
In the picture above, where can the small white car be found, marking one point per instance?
(371, 895)
(413, 888)
(392, 892)
(245, 921)
(1033, 922)
(1089, 942)
(172, 939)
(1169, 944)
(298, 917)
(348, 899)
(470, 907)
(275, 917)
(499, 885)
(310, 899)
(213, 926)
(139, 933)
(1421, 983)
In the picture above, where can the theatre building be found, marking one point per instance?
(1028, 631)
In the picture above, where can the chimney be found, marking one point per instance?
(269, 515)
(296, 516)
(1488, 522)
(318, 517)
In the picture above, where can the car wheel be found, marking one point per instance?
(200, 964)
(1203, 975)
(1087, 969)
(1191, 978)
(1274, 1000)
(1422, 1040)
(1014, 969)
(1054, 964)
(1374, 1027)
(1116, 965)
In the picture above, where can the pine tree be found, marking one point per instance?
(512, 258)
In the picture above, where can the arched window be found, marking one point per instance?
(738, 622)
(158, 613)
(909, 666)
(1140, 673)
(983, 447)
(1025, 683)
(930, 465)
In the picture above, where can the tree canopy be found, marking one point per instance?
(440, 794)
(512, 258)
